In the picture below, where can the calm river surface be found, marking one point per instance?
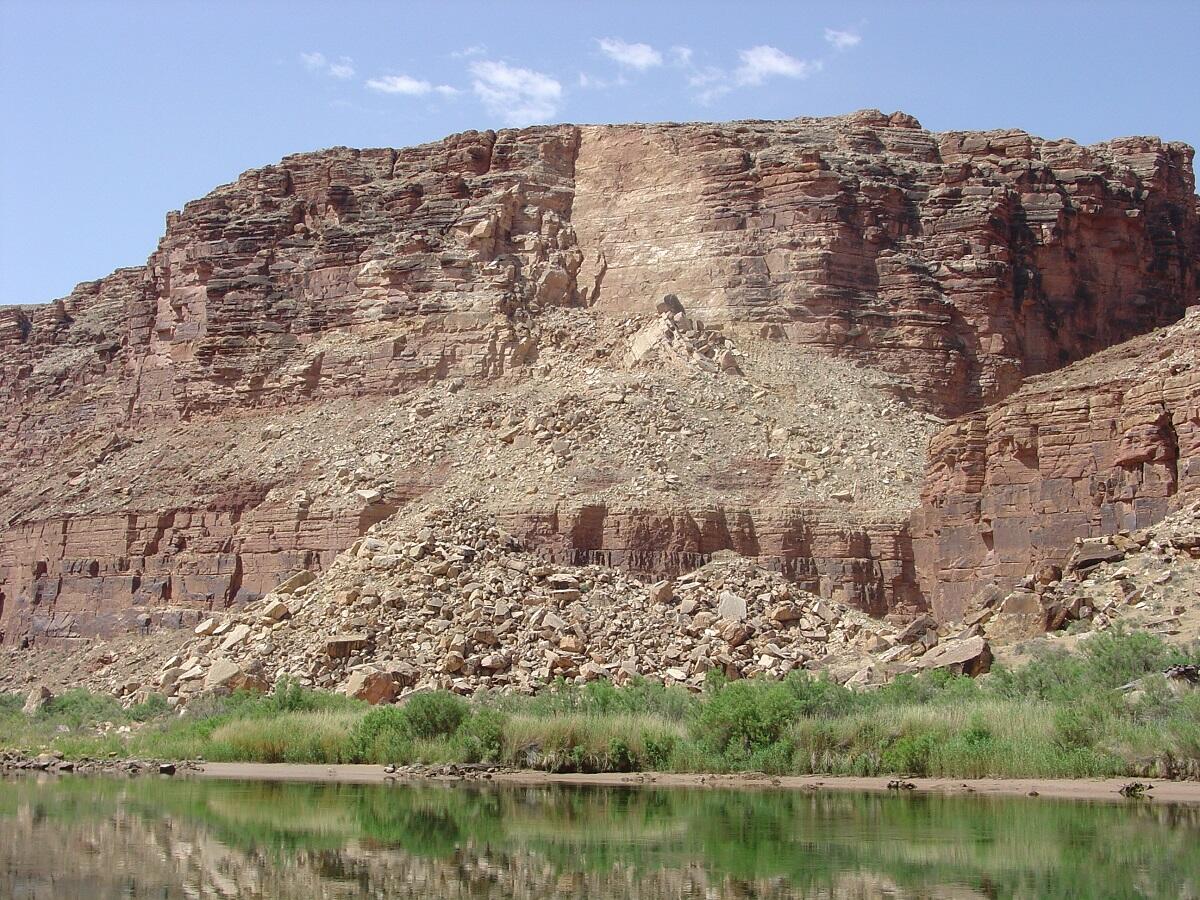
(163, 838)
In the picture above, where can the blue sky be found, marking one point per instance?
(116, 113)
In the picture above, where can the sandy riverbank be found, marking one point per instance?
(1064, 788)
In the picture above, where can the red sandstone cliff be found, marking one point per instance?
(956, 264)
(1108, 444)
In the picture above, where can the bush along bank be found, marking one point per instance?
(1106, 711)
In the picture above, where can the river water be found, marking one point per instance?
(176, 838)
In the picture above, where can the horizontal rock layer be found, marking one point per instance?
(105, 574)
(869, 566)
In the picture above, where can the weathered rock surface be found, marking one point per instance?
(320, 342)
(1107, 444)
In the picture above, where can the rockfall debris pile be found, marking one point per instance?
(442, 597)
(1147, 580)
(448, 600)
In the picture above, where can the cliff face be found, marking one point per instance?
(1108, 444)
(961, 261)
(308, 295)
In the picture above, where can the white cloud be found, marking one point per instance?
(473, 50)
(710, 83)
(409, 86)
(764, 61)
(594, 83)
(317, 62)
(635, 56)
(758, 64)
(681, 56)
(400, 84)
(519, 96)
(842, 40)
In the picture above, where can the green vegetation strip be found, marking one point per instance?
(1058, 716)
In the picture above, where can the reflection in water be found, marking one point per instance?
(104, 838)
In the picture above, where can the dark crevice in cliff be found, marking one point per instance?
(1170, 442)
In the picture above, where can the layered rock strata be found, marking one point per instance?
(1109, 444)
(953, 265)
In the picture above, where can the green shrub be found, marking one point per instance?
(658, 749)
(382, 735)
(773, 759)
(1055, 676)
(1074, 728)
(78, 706)
(481, 736)
(819, 696)
(434, 714)
(295, 737)
(1115, 658)
(387, 733)
(1184, 727)
(154, 706)
(937, 688)
(911, 754)
(621, 757)
(745, 716)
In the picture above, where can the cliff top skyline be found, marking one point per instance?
(125, 111)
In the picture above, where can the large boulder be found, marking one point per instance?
(342, 646)
(731, 606)
(235, 637)
(275, 610)
(299, 580)
(373, 686)
(224, 675)
(37, 699)
(970, 656)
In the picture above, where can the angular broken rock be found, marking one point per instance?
(205, 628)
(570, 643)
(915, 629)
(660, 592)
(785, 613)
(1091, 554)
(276, 611)
(736, 633)
(877, 643)
(37, 699)
(731, 606)
(971, 656)
(342, 646)
(235, 637)
(225, 674)
(372, 686)
(300, 579)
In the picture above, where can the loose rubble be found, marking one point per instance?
(1148, 580)
(444, 598)
(55, 762)
(449, 600)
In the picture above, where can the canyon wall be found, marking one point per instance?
(959, 263)
(1108, 444)
(869, 565)
(962, 261)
